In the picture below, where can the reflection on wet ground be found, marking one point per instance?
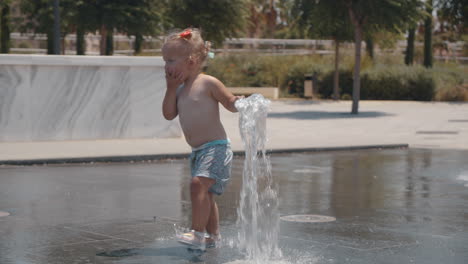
(391, 206)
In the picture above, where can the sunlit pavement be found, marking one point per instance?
(292, 124)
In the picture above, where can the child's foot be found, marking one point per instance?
(212, 240)
(194, 239)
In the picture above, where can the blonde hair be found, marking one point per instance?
(192, 40)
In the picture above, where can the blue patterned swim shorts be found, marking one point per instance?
(213, 160)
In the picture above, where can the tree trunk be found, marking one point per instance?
(409, 54)
(370, 47)
(138, 45)
(56, 27)
(63, 44)
(109, 43)
(358, 23)
(253, 29)
(336, 76)
(80, 41)
(428, 37)
(102, 42)
(357, 69)
(50, 41)
(271, 17)
(5, 30)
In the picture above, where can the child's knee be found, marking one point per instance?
(200, 184)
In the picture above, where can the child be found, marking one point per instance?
(194, 97)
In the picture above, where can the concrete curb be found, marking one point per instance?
(139, 158)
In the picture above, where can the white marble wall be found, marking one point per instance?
(76, 97)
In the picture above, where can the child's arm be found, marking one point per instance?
(223, 95)
(173, 80)
(170, 104)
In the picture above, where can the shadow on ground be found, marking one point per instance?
(173, 252)
(315, 115)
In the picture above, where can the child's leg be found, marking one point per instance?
(213, 221)
(201, 202)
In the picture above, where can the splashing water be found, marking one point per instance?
(258, 215)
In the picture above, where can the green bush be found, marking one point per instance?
(397, 83)
(448, 76)
(378, 82)
(455, 94)
(228, 69)
(24, 45)
(273, 69)
(295, 75)
(450, 83)
(325, 88)
(285, 72)
(385, 83)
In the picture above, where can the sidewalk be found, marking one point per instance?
(293, 125)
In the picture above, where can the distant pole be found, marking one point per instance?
(56, 27)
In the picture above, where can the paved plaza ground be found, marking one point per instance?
(392, 205)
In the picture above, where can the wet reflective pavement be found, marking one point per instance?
(391, 206)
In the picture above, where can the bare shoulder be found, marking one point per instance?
(211, 82)
(220, 93)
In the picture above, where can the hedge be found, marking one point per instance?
(378, 82)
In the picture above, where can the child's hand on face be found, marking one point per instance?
(174, 78)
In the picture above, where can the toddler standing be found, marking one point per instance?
(194, 97)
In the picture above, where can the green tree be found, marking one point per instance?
(5, 26)
(81, 16)
(323, 20)
(286, 21)
(39, 18)
(144, 19)
(218, 19)
(262, 18)
(83, 19)
(411, 27)
(455, 11)
(275, 19)
(409, 53)
(369, 45)
(428, 56)
(385, 14)
(109, 15)
(452, 16)
(135, 17)
(368, 16)
(371, 16)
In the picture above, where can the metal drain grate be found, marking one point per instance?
(459, 120)
(308, 218)
(2, 214)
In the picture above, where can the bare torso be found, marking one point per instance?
(199, 113)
